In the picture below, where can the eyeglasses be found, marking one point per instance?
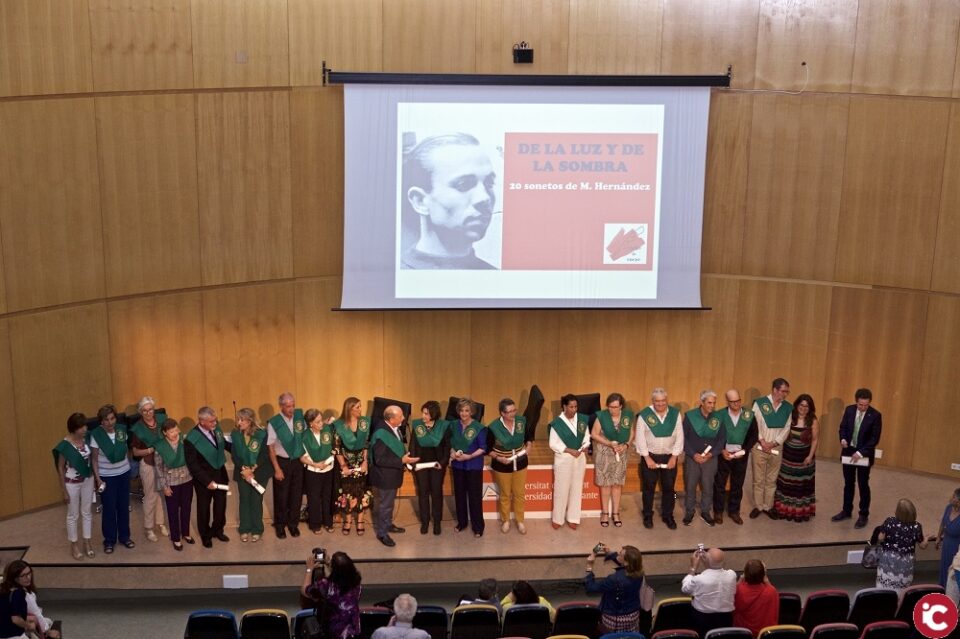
(28, 573)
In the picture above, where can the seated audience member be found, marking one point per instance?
(757, 603)
(620, 591)
(713, 588)
(486, 594)
(401, 626)
(20, 614)
(523, 593)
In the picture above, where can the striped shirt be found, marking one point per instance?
(104, 465)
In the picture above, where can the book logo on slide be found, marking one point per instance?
(624, 243)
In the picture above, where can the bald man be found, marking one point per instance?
(386, 473)
(713, 588)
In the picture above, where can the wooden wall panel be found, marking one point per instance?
(906, 48)
(156, 349)
(946, 261)
(891, 191)
(316, 163)
(509, 351)
(338, 354)
(875, 339)
(543, 24)
(421, 356)
(61, 363)
(148, 185)
(956, 72)
(240, 44)
(244, 183)
(688, 351)
(49, 204)
(724, 196)
(819, 32)
(793, 190)
(703, 38)
(432, 36)
(141, 44)
(44, 47)
(249, 346)
(782, 331)
(348, 34)
(11, 501)
(3, 278)
(933, 448)
(615, 36)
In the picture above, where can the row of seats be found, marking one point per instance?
(875, 630)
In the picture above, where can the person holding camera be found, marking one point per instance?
(620, 606)
(333, 584)
(713, 589)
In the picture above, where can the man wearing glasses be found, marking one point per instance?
(741, 437)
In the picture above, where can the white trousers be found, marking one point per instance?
(152, 498)
(568, 474)
(81, 498)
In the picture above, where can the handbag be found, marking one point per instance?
(647, 596)
(871, 557)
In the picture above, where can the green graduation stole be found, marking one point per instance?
(322, 451)
(73, 456)
(353, 441)
(386, 436)
(245, 453)
(291, 442)
(147, 436)
(171, 458)
(116, 450)
(736, 433)
(429, 437)
(619, 433)
(658, 428)
(504, 437)
(774, 418)
(214, 456)
(569, 438)
(462, 441)
(706, 427)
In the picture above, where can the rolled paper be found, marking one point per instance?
(774, 451)
(256, 485)
(224, 487)
(102, 487)
(423, 466)
(664, 466)
(739, 453)
(617, 455)
(707, 449)
(514, 457)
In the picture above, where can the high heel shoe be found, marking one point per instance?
(604, 522)
(616, 519)
(75, 550)
(88, 549)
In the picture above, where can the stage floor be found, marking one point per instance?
(543, 553)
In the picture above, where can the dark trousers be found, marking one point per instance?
(430, 495)
(115, 518)
(667, 479)
(205, 526)
(178, 510)
(736, 470)
(383, 500)
(468, 494)
(860, 475)
(319, 489)
(707, 621)
(288, 494)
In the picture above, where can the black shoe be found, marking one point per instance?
(707, 519)
(222, 537)
(861, 521)
(772, 514)
(281, 533)
(294, 532)
(754, 513)
(386, 541)
(648, 521)
(207, 543)
(189, 540)
(396, 529)
(840, 516)
(424, 528)
(735, 518)
(687, 521)
(671, 523)
(718, 518)
(436, 529)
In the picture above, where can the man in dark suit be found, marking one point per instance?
(859, 435)
(205, 449)
(386, 473)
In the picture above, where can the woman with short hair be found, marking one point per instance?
(318, 462)
(175, 482)
(110, 455)
(431, 443)
(613, 435)
(78, 478)
(468, 443)
(144, 436)
(756, 603)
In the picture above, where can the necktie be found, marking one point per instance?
(856, 429)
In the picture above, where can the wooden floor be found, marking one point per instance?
(451, 557)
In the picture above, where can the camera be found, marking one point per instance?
(701, 549)
(600, 548)
(319, 555)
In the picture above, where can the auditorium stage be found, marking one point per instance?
(542, 554)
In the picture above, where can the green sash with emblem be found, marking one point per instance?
(429, 437)
(321, 451)
(353, 441)
(214, 455)
(706, 427)
(73, 457)
(462, 441)
(171, 458)
(147, 436)
(245, 453)
(115, 449)
(774, 418)
(292, 442)
(508, 440)
(736, 433)
(385, 435)
(569, 438)
(619, 432)
(658, 428)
